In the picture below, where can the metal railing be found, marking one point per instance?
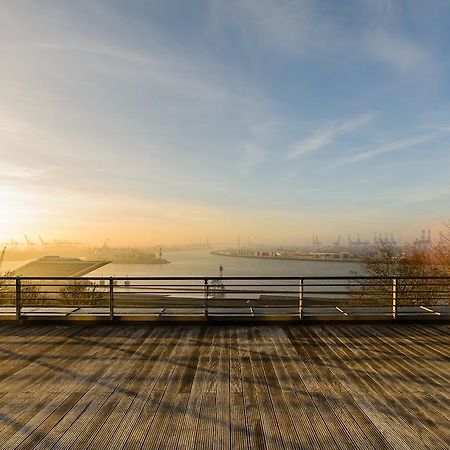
(293, 298)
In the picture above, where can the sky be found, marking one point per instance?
(170, 121)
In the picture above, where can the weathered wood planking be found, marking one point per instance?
(356, 386)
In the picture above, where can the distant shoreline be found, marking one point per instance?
(289, 258)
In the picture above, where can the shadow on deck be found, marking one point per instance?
(362, 386)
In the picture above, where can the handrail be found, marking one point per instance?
(198, 278)
(211, 296)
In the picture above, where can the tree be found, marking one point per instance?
(7, 289)
(409, 268)
(83, 292)
(441, 250)
(30, 293)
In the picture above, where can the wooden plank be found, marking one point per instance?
(17, 409)
(238, 430)
(131, 433)
(223, 425)
(404, 390)
(372, 398)
(96, 402)
(168, 410)
(188, 432)
(130, 381)
(255, 433)
(234, 386)
(22, 348)
(235, 366)
(72, 416)
(311, 422)
(34, 425)
(146, 399)
(266, 351)
(361, 431)
(52, 364)
(206, 436)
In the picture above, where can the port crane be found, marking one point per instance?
(2, 256)
(338, 242)
(28, 241)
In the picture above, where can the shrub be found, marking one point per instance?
(83, 292)
(413, 263)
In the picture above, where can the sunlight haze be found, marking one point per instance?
(175, 121)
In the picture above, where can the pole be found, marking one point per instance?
(394, 297)
(300, 299)
(205, 305)
(111, 298)
(18, 298)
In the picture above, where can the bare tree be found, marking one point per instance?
(83, 292)
(7, 289)
(30, 293)
(409, 267)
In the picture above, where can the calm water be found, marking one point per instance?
(201, 263)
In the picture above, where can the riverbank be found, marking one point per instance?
(289, 258)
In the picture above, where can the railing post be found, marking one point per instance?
(394, 297)
(111, 298)
(300, 299)
(18, 298)
(206, 289)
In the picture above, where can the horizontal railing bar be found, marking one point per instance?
(290, 295)
(233, 278)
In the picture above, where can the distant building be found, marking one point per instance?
(58, 266)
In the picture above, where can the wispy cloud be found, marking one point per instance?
(13, 172)
(398, 51)
(289, 27)
(327, 136)
(427, 194)
(445, 128)
(393, 146)
(168, 71)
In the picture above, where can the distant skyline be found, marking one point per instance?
(168, 121)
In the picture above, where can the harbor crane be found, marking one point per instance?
(316, 244)
(393, 241)
(2, 256)
(28, 241)
(338, 242)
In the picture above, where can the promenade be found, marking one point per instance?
(347, 386)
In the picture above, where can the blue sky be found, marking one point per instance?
(158, 121)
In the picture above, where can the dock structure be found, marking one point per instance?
(141, 386)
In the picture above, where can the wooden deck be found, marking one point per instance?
(346, 386)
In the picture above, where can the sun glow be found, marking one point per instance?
(17, 207)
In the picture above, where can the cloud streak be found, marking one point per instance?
(327, 136)
(397, 51)
(389, 147)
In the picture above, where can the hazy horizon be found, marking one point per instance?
(169, 122)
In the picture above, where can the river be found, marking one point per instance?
(202, 263)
